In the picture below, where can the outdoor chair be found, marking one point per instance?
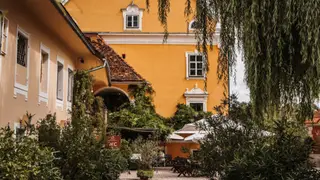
(168, 160)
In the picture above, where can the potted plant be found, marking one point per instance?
(148, 150)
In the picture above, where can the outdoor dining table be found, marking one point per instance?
(189, 168)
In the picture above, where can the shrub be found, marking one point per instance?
(81, 144)
(145, 174)
(185, 115)
(148, 150)
(23, 158)
(49, 132)
(236, 148)
(141, 114)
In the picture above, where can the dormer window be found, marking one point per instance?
(132, 21)
(132, 17)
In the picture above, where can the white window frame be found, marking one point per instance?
(196, 95)
(43, 97)
(69, 104)
(20, 88)
(132, 10)
(198, 102)
(196, 53)
(59, 103)
(201, 100)
(5, 34)
(132, 21)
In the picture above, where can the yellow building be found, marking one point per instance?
(40, 47)
(133, 36)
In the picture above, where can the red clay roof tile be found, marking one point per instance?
(121, 71)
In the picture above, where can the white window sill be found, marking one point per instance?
(133, 29)
(190, 78)
(69, 106)
(43, 99)
(20, 89)
(59, 104)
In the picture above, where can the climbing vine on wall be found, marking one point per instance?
(142, 113)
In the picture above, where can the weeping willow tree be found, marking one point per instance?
(280, 44)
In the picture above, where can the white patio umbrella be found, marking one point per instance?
(195, 137)
(174, 136)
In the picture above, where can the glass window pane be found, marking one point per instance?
(199, 58)
(22, 50)
(199, 65)
(135, 21)
(197, 106)
(192, 65)
(60, 81)
(192, 72)
(199, 72)
(192, 58)
(129, 21)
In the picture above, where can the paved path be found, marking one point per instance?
(163, 173)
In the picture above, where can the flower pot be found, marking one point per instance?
(145, 174)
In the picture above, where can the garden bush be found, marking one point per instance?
(141, 114)
(185, 115)
(23, 159)
(80, 147)
(238, 147)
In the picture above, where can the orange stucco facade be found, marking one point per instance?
(164, 65)
(20, 86)
(106, 16)
(175, 148)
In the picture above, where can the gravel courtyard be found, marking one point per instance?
(159, 174)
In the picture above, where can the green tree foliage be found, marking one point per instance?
(236, 148)
(280, 48)
(49, 132)
(141, 114)
(148, 150)
(186, 114)
(81, 145)
(24, 159)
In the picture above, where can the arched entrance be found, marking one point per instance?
(113, 97)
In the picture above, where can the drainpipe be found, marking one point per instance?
(105, 65)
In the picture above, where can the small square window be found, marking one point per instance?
(197, 106)
(195, 66)
(132, 21)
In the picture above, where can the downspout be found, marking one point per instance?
(106, 66)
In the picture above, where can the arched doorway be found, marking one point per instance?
(113, 97)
